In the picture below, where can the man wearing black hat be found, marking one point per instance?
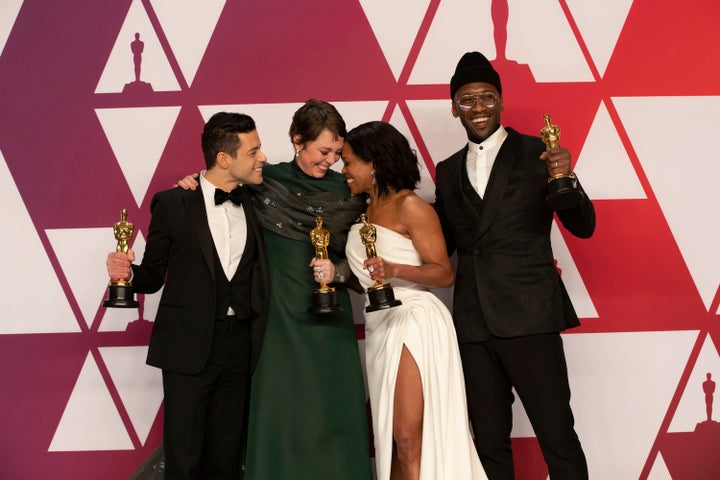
(510, 303)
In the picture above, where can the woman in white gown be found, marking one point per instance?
(415, 379)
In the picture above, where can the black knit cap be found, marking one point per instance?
(474, 67)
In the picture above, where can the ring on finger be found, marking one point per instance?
(371, 269)
(321, 276)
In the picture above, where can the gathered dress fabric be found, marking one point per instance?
(308, 415)
(424, 325)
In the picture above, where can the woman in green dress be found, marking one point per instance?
(308, 417)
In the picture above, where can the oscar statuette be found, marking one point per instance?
(324, 299)
(381, 295)
(120, 293)
(563, 190)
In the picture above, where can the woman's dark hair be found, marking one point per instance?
(313, 117)
(395, 163)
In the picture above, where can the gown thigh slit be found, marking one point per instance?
(423, 324)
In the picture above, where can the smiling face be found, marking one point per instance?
(358, 172)
(247, 163)
(317, 156)
(479, 121)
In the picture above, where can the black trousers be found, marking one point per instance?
(535, 365)
(204, 423)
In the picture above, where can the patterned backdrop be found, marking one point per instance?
(634, 85)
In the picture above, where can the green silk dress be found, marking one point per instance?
(308, 417)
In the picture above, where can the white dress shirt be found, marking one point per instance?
(481, 157)
(228, 227)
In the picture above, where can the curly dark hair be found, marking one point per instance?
(395, 163)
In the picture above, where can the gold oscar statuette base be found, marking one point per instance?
(381, 297)
(324, 300)
(120, 295)
(563, 192)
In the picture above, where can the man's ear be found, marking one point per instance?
(453, 109)
(222, 159)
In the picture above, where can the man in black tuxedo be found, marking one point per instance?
(510, 304)
(205, 246)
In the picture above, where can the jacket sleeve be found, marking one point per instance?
(447, 232)
(579, 220)
(149, 276)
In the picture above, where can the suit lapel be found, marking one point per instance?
(498, 182)
(468, 197)
(197, 217)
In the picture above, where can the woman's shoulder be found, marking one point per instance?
(413, 209)
(409, 200)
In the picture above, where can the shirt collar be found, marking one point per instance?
(207, 188)
(494, 140)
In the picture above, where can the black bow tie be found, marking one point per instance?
(234, 196)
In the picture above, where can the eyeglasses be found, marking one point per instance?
(486, 99)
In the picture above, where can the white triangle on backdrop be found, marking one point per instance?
(659, 470)
(600, 24)
(357, 113)
(90, 420)
(549, 46)
(574, 283)
(603, 165)
(691, 409)
(188, 26)
(459, 26)
(8, 13)
(619, 400)
(426, 187)
(26, 263)
(154, 68)
(138, 137)
(139, 385)
(443, 134)
(82, 253)
(395, 37)
(679, 162)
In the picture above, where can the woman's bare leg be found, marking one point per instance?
(407, 420)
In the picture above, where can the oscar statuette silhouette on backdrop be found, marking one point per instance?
(381, 295)
(324, 299)
(563, 191)
(120, 293)
(137, 86)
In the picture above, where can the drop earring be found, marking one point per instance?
(372, 172)
(297, 153)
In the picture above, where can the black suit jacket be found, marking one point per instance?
(506, 283)
(179, 255)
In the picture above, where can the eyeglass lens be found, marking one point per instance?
(486, 100)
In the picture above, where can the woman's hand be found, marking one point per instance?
(323, 270)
